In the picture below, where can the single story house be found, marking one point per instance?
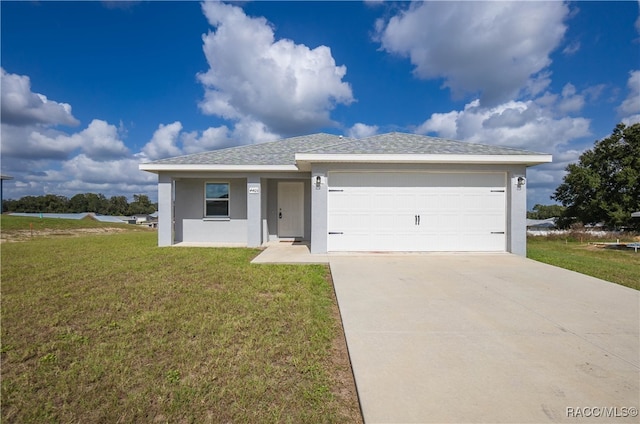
(389, 192)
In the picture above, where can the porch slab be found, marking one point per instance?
(288, 252)
(206, 244)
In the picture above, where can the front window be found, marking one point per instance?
(216, 200)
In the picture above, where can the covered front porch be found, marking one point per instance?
(233, 209)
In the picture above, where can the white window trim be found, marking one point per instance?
(205, 198)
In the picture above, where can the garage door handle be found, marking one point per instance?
(335, 190)
(336, 232)
(497, 232)
(416, 219)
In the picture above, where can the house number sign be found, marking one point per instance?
(254, 190)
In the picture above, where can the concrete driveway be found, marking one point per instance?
(461, 338)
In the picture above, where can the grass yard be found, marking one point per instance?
(618, 266)
(111, 328)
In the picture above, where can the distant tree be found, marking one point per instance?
(78, 203)
(118, 205)
(545, 211)
(82, 202)
(97, 203)
(8, 205)
(141, 205)
(604, 186)
(27, 204)
(52, 203)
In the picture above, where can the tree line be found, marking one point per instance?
(546, 211)
(602, 187)
(80, 203)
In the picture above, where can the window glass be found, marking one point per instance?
(217, 208)
(217, 191)
(216, 199)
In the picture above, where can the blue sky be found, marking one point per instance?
(91, 89)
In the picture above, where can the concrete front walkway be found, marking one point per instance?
(457, 338)
(289, 252)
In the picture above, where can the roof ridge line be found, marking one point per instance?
(344, 140)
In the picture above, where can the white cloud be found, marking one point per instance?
(253, 78)
(31, 142)
(572, 48)
(20, 106)
(496, 49)
(29, 122)
(520, 124)
(99, 140)
(211, 139)
(630, 107)
(84, 170)
(80, 174)
(249, 131)
(539, 125)
(169, 140)
(360, 130)
(164, 142)
(43, 159)
(571, 101)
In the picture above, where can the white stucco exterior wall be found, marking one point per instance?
(254, 211)
(165, 210)
(319, 209)
(517, 212)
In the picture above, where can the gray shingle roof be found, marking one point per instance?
(283, 152)
(397, 143)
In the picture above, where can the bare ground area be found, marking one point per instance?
(25, 235)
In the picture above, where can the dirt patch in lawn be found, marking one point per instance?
(26, 235)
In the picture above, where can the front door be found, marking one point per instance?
(290, 209)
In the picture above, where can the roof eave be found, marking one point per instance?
(163, 167)
(304, 158)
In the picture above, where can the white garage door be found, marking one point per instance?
(395, 211)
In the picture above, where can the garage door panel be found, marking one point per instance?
(351, 201)
(417, 211)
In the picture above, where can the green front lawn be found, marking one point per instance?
(115, 329)
(618, 266)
